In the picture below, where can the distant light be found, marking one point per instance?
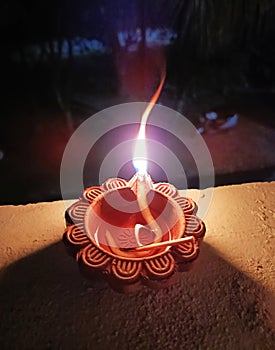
(211, 115)
(230, 122)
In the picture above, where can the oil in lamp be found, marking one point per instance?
(137, 232)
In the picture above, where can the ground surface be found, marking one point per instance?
(226, 301)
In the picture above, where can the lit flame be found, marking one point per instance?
(140, 154)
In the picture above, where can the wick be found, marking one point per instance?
(164, 244)
(142, 188)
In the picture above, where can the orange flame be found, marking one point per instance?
(140, 154)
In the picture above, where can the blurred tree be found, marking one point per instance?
(208, 28)
(222, 45)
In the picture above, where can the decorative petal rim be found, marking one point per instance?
(167, 189)
(160, 267)
(75, 235)
(77, 212)
(187, 205)
(93, 257)
(90, 194)
(186, 251)
(126, 270)
(113, 183)
(194, 226)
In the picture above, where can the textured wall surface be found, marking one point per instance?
(226, 301)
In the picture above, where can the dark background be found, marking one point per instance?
(62, 61)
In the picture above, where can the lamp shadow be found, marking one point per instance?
(47, 304)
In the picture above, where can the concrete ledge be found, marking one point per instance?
(227, 300)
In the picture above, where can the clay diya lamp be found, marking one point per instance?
(112, 238)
